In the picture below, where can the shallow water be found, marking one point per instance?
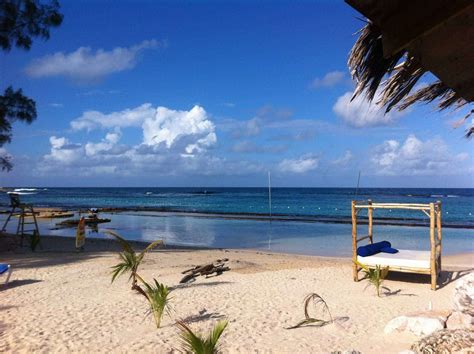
(310, 238)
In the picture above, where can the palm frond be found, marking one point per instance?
(375, 276)
(319, 303)
(124, 243)
(150, 247)
(158, 298)
(196, 343)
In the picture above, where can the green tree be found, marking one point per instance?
(20, 22)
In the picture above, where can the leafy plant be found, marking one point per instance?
(130, 260)
(197, 343)
(319, 304)
(158, 298)
(375, 276)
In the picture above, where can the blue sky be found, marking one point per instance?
(201, 93)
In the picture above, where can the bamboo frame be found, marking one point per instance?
(433, 210)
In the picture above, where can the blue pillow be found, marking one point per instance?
(389, 250)
(3, 268)
(374, 248)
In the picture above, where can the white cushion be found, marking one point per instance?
(404, 258)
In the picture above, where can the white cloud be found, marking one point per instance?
(415, 157)
(331, 79)
(56, 105)
(190, 128)
(344, 159)
(127, 118)
(303, 164)
(174, 142)
(86, 65)
(361, 113)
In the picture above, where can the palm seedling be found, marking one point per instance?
(320, 306)
(130, 260)
(158, 297)
(375, 276)
(197, 343)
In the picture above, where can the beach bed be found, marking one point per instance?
(408, 261)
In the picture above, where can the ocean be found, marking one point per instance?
(304, 220)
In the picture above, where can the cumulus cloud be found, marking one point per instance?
(361, 112)
(344, 159)
(303, 164)
(134, 117)
(86, 65)
(191, 128)
(174, 142)
(414, 157)
(331, 79)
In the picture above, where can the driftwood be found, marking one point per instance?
(206, 270)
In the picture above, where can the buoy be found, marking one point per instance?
(470, 214)
(447, 212)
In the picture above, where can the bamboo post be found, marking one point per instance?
(433, 247)
(438, 227)
(370, 214)
(355, 269)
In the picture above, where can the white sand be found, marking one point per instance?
(60, 301)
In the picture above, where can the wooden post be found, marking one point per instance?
(433, 247)
(370, 213)
(355, 268)
(438, 227)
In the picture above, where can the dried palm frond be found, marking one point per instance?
(366, 61)
(319, 303)
(401, 82)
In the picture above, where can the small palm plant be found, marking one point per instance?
(320, 305)
(158, 297)
(197, 343)
(130, 260)
(375, 276)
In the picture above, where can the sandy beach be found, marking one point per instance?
(62, 301)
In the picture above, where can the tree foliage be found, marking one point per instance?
(20, 22)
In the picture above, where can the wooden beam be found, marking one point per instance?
(355, 269)
(370, 214)
(363, 238)
(439, 235)
(433, 272)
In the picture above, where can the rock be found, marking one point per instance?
(459, 320)
(446, 341)
(419, 323)
(464, 294)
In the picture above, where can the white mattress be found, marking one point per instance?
(404, 258)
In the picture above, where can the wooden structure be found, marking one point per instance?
(22, 211)
(407, 261)
(405, 39)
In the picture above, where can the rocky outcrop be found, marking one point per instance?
(419, 323)
(464, 295)
(446, 341)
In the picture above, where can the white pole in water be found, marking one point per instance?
(357, 189)
(270, 194)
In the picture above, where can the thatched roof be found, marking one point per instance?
(402, 40)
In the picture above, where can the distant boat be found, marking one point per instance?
(149, 193)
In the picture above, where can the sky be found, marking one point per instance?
(216, 93)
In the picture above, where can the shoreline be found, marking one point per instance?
(163, 212)
(65, 244)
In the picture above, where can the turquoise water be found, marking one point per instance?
(312, 203)
(311, 238)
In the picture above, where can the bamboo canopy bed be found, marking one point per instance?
(408, 261)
